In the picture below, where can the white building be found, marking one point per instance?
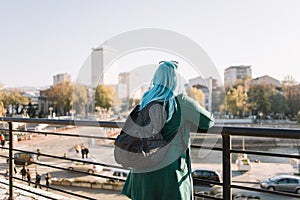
(234, 73)
(61, 78)
(207, 85)
(266, 80)
(134, 83)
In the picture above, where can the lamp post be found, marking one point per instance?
(4, 112)
(25, 115)
(50, 110)
(72, 111)
(260, 117)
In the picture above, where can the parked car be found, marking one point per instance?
(287, 183)
(24, 158)
(207, 175)
(86, 167)
(118, 173)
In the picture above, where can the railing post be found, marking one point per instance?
(227, 195)
(11, 161)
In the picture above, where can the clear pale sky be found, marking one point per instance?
(39, 39)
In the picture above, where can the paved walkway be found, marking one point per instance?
(24, 195)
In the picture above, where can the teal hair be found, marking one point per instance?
(164, 83)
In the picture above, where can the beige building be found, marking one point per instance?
(266, 80)
(235, 73)
(61, 78)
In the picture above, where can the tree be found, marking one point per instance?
(278, 103)
(196, 94)
(231, 105)
(61, 97)
(31, 111)
(259, 101)
(105, 97)
(236, 99)
(291, 91)
(15, 100)
(2, 109)
(80, 98)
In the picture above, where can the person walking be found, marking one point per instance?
(23, 172)
(38, 154)
(171, 177)
(28, 177)
(2, 139)
(38, 180)
(84, 152)
(48, 180)
(77, 148)
(6, 175)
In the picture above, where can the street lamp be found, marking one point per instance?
(244, 107)
(260, 116)
(50, 110)
(25, 115)
(72, 111)
(4, 112)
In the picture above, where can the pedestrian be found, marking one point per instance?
(6, 175)
(48, 180)
(84, 151)
(38, 154)
(77, 148)
(28, 177)
(171, 177)
(2, 139)
(23, 172)
(38, 180)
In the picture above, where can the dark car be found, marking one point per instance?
(24, 158)
(206, 175)
(286, 183)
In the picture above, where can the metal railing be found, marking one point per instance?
(226, 132)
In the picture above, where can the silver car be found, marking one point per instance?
(286, 183)
(86, 167)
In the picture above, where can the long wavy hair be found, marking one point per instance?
(163, 85)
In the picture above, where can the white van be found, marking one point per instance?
(118, 173)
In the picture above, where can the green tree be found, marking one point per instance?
(278, 103)
(259, 100)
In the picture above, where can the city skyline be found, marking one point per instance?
(40, 39)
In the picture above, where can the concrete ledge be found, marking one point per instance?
(117, 186)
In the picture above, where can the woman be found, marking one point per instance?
(172, 178)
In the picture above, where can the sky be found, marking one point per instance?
(39, 39)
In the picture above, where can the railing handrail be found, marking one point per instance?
(217, 129)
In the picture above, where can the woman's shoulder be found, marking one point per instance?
(185, 100)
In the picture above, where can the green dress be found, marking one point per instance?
(172, 180)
